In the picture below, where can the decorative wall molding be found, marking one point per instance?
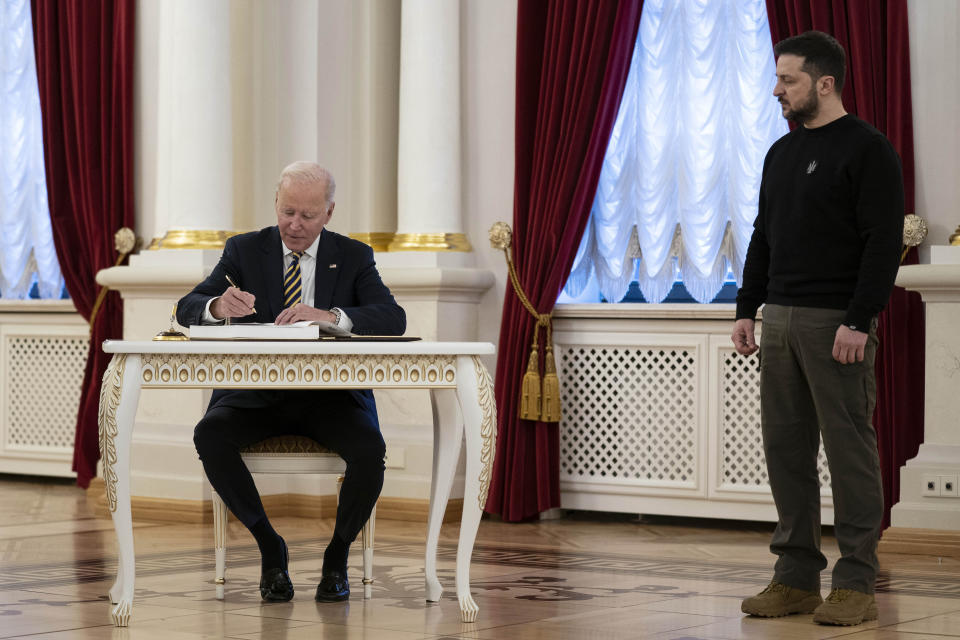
(298, 505)
(930, 542)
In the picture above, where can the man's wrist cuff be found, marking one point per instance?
(746, 312)
(857, 321)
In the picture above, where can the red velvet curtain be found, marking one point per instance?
(84, 51)
(876, 38)
(572, 62)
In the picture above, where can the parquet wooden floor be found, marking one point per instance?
(582, 576)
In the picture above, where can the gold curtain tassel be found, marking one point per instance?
(530, 388)
(550, 400)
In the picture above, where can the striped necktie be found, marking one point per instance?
(292, 288)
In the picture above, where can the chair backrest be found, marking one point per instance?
(291, 454)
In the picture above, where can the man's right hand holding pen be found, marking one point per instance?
(234, 303)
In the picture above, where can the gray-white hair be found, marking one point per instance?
(304, 171)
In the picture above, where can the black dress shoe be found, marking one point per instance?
(333, 587)
(275, 584)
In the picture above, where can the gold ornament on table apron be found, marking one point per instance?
(539, 395)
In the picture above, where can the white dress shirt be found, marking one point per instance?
(308, 272)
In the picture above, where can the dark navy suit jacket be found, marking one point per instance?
(346, 277)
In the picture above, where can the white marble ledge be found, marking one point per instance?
(447, 284)
(322, 347)
(13, 305)
(935, 282)
(453, 284)
(438, 277)
(120, 277)
(640, 310)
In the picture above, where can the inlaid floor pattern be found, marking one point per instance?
(578, 577)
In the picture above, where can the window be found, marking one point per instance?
(677, 195)
(28, 260)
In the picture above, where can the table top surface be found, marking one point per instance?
(300, 347)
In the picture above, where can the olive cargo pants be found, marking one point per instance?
(806, 394)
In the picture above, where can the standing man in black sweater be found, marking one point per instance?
(823, 257)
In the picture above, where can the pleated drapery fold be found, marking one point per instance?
(85, 55)
(677, 195)
(26, 239)
(572, 61)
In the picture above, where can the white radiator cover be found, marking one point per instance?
(660, 414)
(43, 352)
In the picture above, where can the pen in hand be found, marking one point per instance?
(234, 284)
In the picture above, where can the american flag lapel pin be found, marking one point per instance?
(333, 266)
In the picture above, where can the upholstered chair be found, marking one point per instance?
(289, 454)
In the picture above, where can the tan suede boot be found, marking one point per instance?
(780, 600)
(846, 607)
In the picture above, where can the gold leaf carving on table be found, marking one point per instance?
(107, 424)
(273, 370)
(488, 427)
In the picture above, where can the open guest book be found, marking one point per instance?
(305, 330)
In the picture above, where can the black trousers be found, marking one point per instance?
(332, 418)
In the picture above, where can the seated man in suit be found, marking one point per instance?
(296, 270)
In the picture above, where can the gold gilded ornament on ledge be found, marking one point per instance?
(377, 240)
(429, 242)
(171, 333)
(914, 233)
(539, 396)
(955, 237)
(192, 239)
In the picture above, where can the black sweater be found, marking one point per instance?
(829, 227)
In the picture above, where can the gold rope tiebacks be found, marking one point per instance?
(539, 398)
(124, 241)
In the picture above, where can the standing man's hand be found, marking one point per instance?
(848, 345)
(234, 303)
(743, 337)
(300, 311)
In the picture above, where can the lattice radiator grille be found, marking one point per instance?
(742, 462)
(629, 413)
(43, 390)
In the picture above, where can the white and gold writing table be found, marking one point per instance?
(461, 395)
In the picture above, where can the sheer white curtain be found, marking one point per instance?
(678, 190)
(26, 240)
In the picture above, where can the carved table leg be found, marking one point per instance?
(480, 423)
(447, 436)
(118, 406)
